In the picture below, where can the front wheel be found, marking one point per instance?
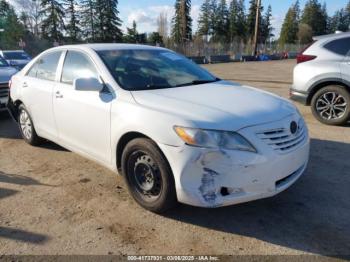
(331, 105)
(26, 127)
(148, 175)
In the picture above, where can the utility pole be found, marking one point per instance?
(257, 20)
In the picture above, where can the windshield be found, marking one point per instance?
(16, 55)
(153, 69)
(3, 62)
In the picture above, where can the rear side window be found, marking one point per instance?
(339, 46)
(77, 65)
(45, 68)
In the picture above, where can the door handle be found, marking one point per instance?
(59, 95)
(25, 85)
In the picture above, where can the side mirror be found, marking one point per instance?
(88, 84)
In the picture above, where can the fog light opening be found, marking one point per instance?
(224, 191)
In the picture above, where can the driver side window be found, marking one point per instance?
(77, 65)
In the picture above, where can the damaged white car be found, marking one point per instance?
(173, 130)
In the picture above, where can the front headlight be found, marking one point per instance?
(214, 139)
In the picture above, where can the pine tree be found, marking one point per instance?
(220, 30)
(237, 25)
(339, 21)
(13, 28)
(88, 23)
(213, 16)
(73, 27)
(108, 21)
(113, 22)
(290, 26)
(204, 21)
(155, 39)
(52, 25)
(182, 21)
(314, 15)
(266, 28)
(132, 34)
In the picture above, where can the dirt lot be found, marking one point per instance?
(54, 202)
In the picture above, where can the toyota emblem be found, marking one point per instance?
(293, 127)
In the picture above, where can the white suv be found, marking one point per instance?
(322, 78)
(172, 129)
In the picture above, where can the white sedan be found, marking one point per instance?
(173, 130)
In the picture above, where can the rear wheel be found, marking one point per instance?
(148, 175)
(331, 105)
(26, 127)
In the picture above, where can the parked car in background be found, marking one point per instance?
(322, 78)
(171, 128)
(16, 58)
(6, 72)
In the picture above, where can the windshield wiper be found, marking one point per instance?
(150, 87)
(200, 82)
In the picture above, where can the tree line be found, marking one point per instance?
(44, 23)
(222, 22)
(300, 25)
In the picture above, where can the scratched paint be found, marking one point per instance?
(208, 187)
(214, 165)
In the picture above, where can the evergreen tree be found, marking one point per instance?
(108, 21)
(237, 26)
(52, 25)
(204, 21)
(266, 28)
(132, 34)
(13, 28)
(73, 27)
(290, 26)
(182, 21)
(155, 39)
(88, 23)
(340, 21)
(315, 16)
(221, 26)
(213, 16)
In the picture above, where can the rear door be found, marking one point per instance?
(37, 93)
(82, 117)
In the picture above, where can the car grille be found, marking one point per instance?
(4, 89)
(282, 140)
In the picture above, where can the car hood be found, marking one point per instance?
(6, 73)
(221, 105)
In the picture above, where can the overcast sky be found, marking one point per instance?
(145, 12)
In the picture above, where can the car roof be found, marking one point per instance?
(332, 36)
(112, 46)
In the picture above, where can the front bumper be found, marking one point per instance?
(213, 178)
(299, 96)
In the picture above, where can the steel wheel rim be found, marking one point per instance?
(145, 175)
(331, 106)
(26, 124)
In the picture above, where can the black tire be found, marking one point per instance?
(28, 132)
(340, 114)
(148, 175)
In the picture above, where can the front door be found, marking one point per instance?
(82, 117)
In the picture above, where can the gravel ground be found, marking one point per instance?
(53, 201)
